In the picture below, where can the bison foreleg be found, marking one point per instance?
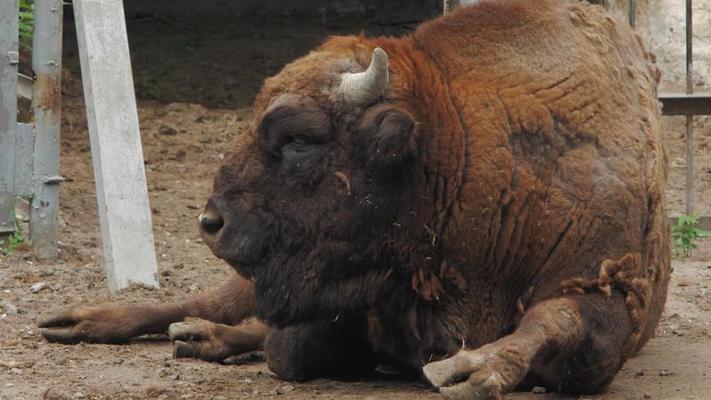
(230, 303)
(210, 341)
(567, 344)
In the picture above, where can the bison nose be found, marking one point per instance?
(210, 221)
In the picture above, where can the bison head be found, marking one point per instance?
(310, 203)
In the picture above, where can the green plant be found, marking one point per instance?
(26, 23)
(685, 233)
(13, 241)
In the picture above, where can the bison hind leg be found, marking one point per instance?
(333, 349)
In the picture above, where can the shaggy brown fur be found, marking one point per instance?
(497, 216)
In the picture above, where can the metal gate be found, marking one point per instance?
(29, 152)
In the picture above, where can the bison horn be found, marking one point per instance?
(361, 89)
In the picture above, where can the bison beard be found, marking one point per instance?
(480, 203)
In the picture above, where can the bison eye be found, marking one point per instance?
(298, 144)
(301, 161)
(293, 125)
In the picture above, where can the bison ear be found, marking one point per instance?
(388, 137)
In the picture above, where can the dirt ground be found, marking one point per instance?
(183, 145)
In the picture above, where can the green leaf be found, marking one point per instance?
(685, 233)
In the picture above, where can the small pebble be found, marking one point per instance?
(538, 390)
(167, 130)
(16, 364)
(9, 308)
(284, 389)
(38, 286)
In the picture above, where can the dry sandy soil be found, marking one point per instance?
(183, 145)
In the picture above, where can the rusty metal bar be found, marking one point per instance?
(686, 104)
(46, 106)
(689, 118)
(9, 58)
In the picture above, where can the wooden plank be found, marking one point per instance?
(129, 254)
(9, 58)
(686, 104)
(46, 107)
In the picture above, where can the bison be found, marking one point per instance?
(480, 202)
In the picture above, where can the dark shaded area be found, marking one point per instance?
(218, 53)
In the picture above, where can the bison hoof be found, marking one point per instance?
(86, 324)
(480, 374)
(197, 338)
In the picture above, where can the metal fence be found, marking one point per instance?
(29, 152)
